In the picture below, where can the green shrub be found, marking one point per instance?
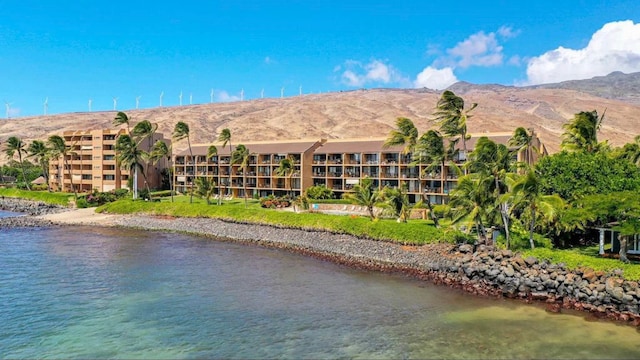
(161, 193)
(82, 203)
(319, 192)
(273, 202)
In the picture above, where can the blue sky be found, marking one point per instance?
(67, 52)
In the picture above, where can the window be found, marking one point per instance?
(109, 177)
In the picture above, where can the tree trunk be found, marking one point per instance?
(433, 216)
(531, 227)
(244, 186)
(371, 214)
(24, 176)
(504, 209)
(75, 193)
(134, 184)
(170, 178)
(623, 248)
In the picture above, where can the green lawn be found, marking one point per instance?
(44, 196)
(415, 232)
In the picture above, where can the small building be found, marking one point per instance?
(608, 235)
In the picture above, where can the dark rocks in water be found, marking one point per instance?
(29, 207)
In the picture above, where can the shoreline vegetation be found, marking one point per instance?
(485, 271)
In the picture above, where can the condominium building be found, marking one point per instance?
(91, 163)
(338, 164)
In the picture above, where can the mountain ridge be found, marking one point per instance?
(372, 113)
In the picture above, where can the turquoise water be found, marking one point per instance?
(113, 293)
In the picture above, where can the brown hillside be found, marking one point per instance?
(362, 113)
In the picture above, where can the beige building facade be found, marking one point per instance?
(338, 164)
(91, 164)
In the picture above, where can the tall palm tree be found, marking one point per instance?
(59, 148)
(181, 131)
(130, 156)
(159, 151)
(212, 151)
(15, 145)
(451, 117)
(528, 194)
(241, 156)
(405, 134)
(122, 118)
(39, 150)
(494, 160)
(581, 133)
(366, 195)
(430, 150)
(225, 138)
(144, 130)
(287, 168)
(522, 140)
(469, 202)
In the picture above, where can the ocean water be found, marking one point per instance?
(87, 292)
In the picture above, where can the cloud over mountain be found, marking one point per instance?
(614, 47)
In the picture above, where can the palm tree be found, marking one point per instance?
(287, 168)
(144, 130)
(40, 151)
(469, 201)
(59, 148)
(241, 155)
(581, 133)
(430, 149)
(212, 151)
(522, 140)
(397, 201)
(130, 156)
(631, 151)
(204, 187)
(528, 194)
(121, 118)
(366, 195)
(16, 145)
(181, 131)
(451, 117)
(225, 138)
(405, 134)
(494, 160)
(159, 151)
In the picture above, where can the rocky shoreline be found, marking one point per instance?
(485, 271)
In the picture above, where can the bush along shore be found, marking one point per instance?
(482, 271)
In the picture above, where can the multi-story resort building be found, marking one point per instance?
(91, 164)
(338, 164)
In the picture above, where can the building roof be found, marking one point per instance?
(284, 147)
(331, 146)
(371, 145)
(39, 181)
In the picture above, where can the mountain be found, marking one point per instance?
(372, 113)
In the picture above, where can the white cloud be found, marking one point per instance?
(376, 72)
(436, 79)
(224, 96)
(615, 47)
(479, 49)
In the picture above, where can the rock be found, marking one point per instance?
(508, 271)
(530, 260)
(465, 248)
(590, 275)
